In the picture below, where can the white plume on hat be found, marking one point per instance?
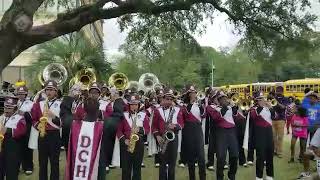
(76, 89)
(113, 91)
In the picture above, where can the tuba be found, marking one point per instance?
(85, 76)
(134, 137)
(169, 135)
(133, 86)
(147, 81)
(158, 86)
(118, 80)
(55, 72)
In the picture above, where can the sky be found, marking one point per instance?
(218, 34)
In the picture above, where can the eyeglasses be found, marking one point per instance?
(169, 99)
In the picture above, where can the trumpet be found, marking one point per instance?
(235, 99)
(44, 120)
(134, 137)
(273, 102)
(245, 104)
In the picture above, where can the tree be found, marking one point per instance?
(179, 64)
(259, 21)
(74, 53)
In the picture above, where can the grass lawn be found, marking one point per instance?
(283, 170)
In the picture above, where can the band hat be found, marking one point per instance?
(104, 86)
(95, 86)
(160, 93)
(259, 96)
(191, 89)
(221, 94)
(134, 99)
(214, 93)
(22, 90)
(11, 101)
(169, 93)
(51, 84)
(312, 93)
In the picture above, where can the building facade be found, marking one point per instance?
(16, 69)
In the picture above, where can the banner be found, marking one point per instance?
(84, 150)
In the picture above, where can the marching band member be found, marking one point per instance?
(210, 100)
(224, 117)
(94, 92)
(261, 118)
(193, 134)
(68, 107)
(167, 123)
(12, 129)
(130, 132)
(152, 146)
(24, 109)
(109, 135)
(86, 135)
(49, 139)
(279, 121)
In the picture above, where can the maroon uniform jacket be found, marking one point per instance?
(161, 116)
(37, 113)
(224, 117)
(124, 128)
(262, 116)
(16, 126)
(193, 113)
(106, 107)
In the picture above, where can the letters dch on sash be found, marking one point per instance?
(84, 150)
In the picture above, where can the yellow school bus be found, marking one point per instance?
(265, 87)
(296, 87)
(240, 89)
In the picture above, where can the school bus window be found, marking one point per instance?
(287, 88)
(302, 87)
(298, 88)
(294, 88)
(311, 87)
(316, 87)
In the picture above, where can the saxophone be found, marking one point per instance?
(1, 135)
(169, 135)
(134, 137)
(44, 120)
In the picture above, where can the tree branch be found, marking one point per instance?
(76, 19)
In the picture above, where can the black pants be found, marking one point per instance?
(211, 147)
(26, 152)
(183, 155)
(156, 158)
(170, 158)
(109, 141)
(264, 149)
(131, 164)
(49, 149)
(194, 149)
(226, 142)
(240, 134)
(250, 156)
(10, 160)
